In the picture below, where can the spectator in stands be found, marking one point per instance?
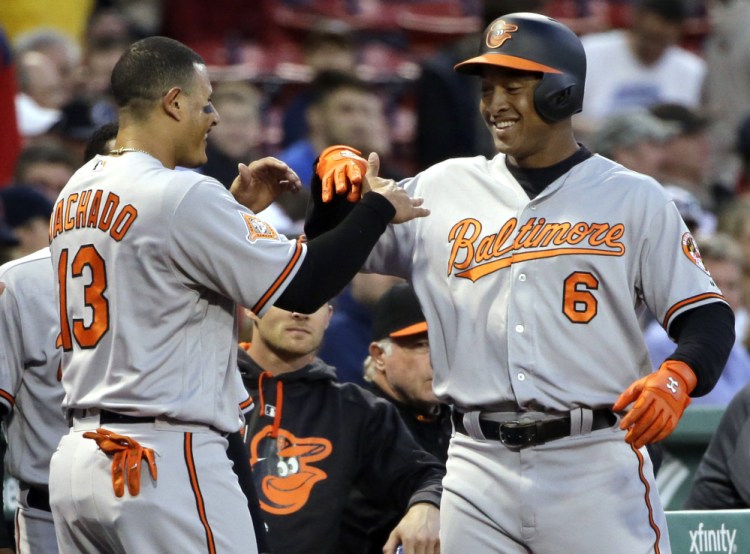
(59, 47)
(27, 212)
(634, 139)
(726, 88)
(698, 220)
(686, 160)
(735, 222)
(45, 166)
(640, 66)
(398, 370)
(741, 185)
(347, 339)
(722, 481)
(239, 139)
(722, 257)
(329, 45)
(343, 110)
(40, 95)
(312, 439)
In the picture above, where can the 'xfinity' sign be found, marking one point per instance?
(712, 540)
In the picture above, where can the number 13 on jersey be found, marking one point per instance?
(85, 268)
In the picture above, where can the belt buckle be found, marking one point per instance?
(519, 433)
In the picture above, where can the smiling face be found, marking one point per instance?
(200, 116)
(507, 106)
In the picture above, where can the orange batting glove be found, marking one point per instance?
(660, 399)
(341, 168)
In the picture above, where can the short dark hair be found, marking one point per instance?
(43, 152)
(328, 82)
(98, 139)
(674, 11)
(149, 68)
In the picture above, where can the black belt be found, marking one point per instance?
(105, 417)
(522, 434)
(37, 497)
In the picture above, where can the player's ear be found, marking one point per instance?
(170, 103)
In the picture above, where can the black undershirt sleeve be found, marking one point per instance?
(324, 216)
(336, 255)
(705, 336)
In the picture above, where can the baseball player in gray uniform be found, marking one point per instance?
(150, 264)
(30, 392)
(531, 271)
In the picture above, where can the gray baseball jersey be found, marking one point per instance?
(30, 388)
(150, 263)
(535, 302)
(30, 366)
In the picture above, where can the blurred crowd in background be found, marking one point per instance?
(667, 94)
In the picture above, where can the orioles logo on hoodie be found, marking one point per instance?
(282, 468)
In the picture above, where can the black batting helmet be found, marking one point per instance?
(534, 42)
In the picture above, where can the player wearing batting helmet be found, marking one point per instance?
(532, 271)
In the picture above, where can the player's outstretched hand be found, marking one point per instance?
(341, 170)
(407, 208)
(417, 532)
(259, 183)
(660, 399)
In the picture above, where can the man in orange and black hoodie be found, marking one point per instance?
(312, 440)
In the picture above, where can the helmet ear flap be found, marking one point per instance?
(557, 97)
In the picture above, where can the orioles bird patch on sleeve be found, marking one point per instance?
(690, 248)
(258, 229)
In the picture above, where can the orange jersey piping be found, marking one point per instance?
(281, 278)
(190, 462)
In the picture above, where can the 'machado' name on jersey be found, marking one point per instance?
(91, 209)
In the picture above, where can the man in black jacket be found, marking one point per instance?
(398, 369)
(313, 439)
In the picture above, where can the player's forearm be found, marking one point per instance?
(324, 216)
(336, 256)
(705, 336)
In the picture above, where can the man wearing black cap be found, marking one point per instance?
(400, 371)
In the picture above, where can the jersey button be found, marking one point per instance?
(519, 328)
(522, 277)
(521, 376)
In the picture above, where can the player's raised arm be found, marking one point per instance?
(257, 185)
(336, 185)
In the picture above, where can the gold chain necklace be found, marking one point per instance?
(123, 150)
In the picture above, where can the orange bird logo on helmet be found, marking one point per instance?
(499, 33)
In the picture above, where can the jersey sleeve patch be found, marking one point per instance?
(690, 249)
(257, 228)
